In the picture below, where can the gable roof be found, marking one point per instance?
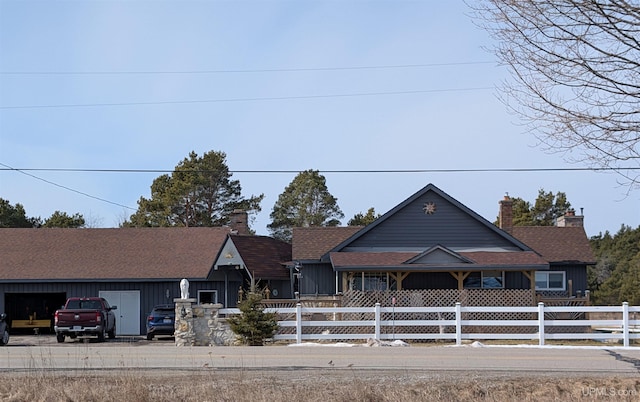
(437, 212)
(108, 254)
(557, 244)
(263, 256)
(312, 242)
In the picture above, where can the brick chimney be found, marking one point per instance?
(239, 222)
(505, 215)
(570, 220)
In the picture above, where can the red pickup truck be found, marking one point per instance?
(85, 316)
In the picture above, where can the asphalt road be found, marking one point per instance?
(29, 353)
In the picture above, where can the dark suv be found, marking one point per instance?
(161, 321)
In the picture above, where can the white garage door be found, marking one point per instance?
(128, 311)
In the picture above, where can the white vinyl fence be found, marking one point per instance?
(456, 323)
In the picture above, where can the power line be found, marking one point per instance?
(7, 167)
(274, 98)
(261, 70)
(284, 171)
(4, 167)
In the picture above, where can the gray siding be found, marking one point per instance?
(576, 273)
(516, 280)
(317, 279)
(449, 226)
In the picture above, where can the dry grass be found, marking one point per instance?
(308, 387)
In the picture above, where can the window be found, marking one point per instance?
(370, 281)
(550, 280)
(485, 280)
(207, 296)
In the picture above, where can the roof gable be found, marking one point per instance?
(438, 255)
(428, 218)
(264, 257)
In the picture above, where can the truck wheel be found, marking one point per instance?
(5, 338)
(101, 336)
(149, 337)
(60, 338)
(112, 333)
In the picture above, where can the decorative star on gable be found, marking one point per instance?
(429, 208)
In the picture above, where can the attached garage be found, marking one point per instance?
(133, 268)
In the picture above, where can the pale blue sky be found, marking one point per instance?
(220, 52)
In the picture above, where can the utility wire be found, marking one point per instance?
(4, 167)
(274, 98)
(364, 171)
(7, 167)
(262, 70)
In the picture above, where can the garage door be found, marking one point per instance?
(128, 312)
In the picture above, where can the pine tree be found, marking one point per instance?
(253, 325)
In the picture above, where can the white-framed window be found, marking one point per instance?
(550, 280)
(485, 280)
(207, 296)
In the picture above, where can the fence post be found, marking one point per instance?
(625, 324)
(458, 324)
(541, 324)
(298, 323)
(377, 324)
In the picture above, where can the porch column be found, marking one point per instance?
(399, 277)
(460, 277)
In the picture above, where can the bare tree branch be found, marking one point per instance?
(575, 76)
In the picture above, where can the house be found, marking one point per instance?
(428, 249)
(431, 241)
(133, 268)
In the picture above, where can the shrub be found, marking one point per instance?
(253, 325)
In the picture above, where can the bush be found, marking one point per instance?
(253, 325)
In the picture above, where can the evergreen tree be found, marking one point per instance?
(305, 202)
(361, 219)
(253, 325)
(63, 220)
(199, 192)
(616, 276)
(544, 212)
(14, 216)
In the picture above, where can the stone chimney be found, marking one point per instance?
(505, 215)
(570, 220)
(239, 222)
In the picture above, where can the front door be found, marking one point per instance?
(128, 311)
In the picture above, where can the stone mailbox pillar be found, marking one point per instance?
(200, 325)
(184, 329)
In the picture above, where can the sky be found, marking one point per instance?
(363, 91)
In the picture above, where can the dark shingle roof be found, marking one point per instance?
(509, 260)
(127, 253)
(312, 243)
(264, 256)
(557, 244)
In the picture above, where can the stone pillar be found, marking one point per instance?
(184, 330)
(200, 325)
